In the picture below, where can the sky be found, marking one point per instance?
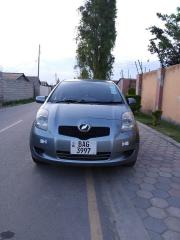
(24, 24)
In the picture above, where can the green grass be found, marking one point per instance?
(18, 102)
(164, 127)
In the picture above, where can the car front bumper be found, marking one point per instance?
(45, 146)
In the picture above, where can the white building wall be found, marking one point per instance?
(45, 90)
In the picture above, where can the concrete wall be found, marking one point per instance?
(17, 89)
(171, 94)
(36, 89)
(161, 90)
(148, 91)
(36, 84)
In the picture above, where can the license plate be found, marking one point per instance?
(83, 147)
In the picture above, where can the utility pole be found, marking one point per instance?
(39, 54)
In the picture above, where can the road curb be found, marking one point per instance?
(159, 134)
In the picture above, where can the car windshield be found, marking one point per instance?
(86, 92)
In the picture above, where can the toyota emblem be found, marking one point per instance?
(84, 127)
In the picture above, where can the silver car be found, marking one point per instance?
(85, 122)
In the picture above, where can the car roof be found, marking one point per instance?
(87, 80)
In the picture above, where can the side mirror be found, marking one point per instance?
(131, 101)
(41, 99)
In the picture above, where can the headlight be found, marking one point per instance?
(42, 119)
(127, 121)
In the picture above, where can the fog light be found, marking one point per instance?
(38, 150)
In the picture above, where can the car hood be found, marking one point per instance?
(63, 113)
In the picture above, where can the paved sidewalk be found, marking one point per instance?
(154, 186)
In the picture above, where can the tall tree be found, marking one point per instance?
(166, 41)
(96, 38)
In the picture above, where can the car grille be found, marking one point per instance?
(68, 156)
(94, 132)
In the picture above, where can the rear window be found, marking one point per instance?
(87, 92)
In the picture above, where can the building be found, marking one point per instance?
(125, 84)
(15, 86)
(45, 89)
(36, 83)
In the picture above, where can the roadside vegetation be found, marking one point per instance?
(18, 102)
(153, 120)
(164, 127)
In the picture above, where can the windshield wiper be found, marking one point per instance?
(84, 101)
(69, 101)
(104, 103)
(111, 102)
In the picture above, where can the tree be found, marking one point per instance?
(96, 38)
(166, 40)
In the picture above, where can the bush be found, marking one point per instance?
(136, 107)
(17, 102)
(132, 91)
(156, 117)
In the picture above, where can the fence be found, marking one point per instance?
(161, 90)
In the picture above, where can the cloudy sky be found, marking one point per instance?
(52, 23)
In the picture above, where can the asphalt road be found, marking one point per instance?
(60, 203)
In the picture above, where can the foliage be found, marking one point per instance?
(96, 38)
(18, 102)
(165, 127)
(132, 91)
(156, 117)
(137, 106)
(166, 40)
